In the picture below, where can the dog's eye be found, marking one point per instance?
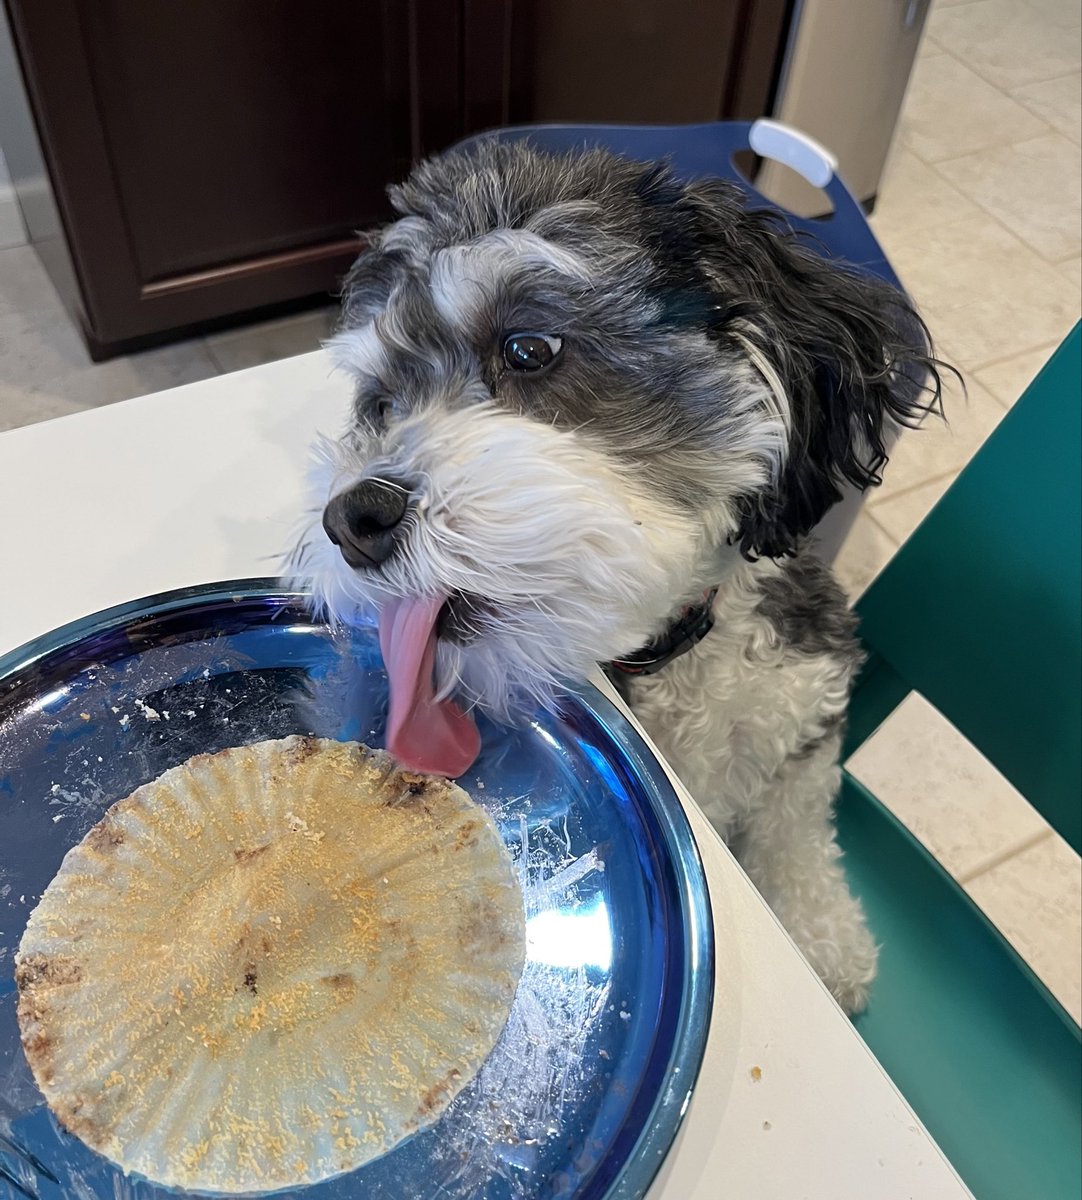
(531, 351)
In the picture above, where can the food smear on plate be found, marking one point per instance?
(270, 965)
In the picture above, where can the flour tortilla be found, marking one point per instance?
(270, 965)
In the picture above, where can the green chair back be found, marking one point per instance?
(981, 610)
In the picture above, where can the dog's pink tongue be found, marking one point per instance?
(423, 733)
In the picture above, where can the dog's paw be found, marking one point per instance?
(843, 954)
(853, 997)
(848, 966)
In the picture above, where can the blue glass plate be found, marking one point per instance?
(583, 1093)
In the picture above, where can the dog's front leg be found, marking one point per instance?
(787, 846)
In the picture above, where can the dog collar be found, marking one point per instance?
(682, 633)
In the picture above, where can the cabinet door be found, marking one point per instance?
(209, 157)
(213, 156)
(644, 61)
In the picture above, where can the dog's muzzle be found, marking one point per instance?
(364, 521)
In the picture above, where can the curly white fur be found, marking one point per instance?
(751, 726)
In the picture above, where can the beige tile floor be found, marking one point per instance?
(980, 213)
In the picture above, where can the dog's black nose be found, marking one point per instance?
(363, 521)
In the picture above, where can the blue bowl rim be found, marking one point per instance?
(689, 1044)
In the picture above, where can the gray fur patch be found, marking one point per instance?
(832, 730)
(809, 610)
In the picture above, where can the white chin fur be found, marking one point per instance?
(580, 561)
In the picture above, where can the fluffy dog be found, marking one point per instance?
(587, 395)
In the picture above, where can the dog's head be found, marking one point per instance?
(580, 387)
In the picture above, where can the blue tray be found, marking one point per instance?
(584, 1092)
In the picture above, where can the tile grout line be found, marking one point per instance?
(1003, 144)
(986, 363)
(991, 216)
(1067, 137)
(998, 362)
(209, 351)
(996, 87)
(952, 473)
(991, 82)
(867, 512)
(997, 860)
(971, 372)
(1046, 350)
(1030, 249)
(933, 164)
(1029, 83)
(1051, 79)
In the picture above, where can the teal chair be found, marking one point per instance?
(981, 613)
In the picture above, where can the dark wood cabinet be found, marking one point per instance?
(214, 157)
(644, 61)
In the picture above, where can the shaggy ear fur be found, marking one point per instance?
(366, 286)
(845, 353)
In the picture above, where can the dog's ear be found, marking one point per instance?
(367, 285)
(844, 353)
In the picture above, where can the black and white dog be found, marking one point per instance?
(587, 395)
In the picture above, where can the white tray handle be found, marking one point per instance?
(772, 139)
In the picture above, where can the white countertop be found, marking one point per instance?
(204, 483)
